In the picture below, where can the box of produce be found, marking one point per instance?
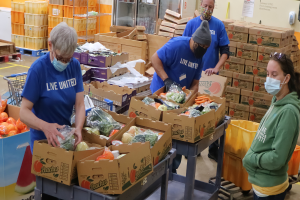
(257, 87)
(256, 99)
(101, 126)
(106, 59)
(238, 111)
(246, 54)
(267, 32)
(227, 74)
(234, 67)
(263, 57)
(232, 94)
(257, 71)
(236, 60)
(260, 80)
(213, 85)
(246, 46)
(232, 48)
(242, 84)
(107, 73)
(269, 50)
(239, 27)
(60, 163)
(158, 134)
(115, 169)
(270, 41)
(16, 180)
(237, 36)
(256, 114)
(150, 107)
(175, 94)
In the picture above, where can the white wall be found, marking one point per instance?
(270, 12)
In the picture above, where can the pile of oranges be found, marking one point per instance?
(8, 125)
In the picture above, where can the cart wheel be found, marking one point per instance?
(245, 192)
(289, 188)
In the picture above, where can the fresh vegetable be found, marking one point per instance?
(176, 94)
(148, 101)
(152, 138)
(113, 132)
(138, 138)
(82, 146)
(162, 108)
(133, 130)
(92, 130)
(107, 155)
(203, 100)
(3, 105)
(127, 138)
(69, 141)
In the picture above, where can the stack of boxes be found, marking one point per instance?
(36, 13)
(250, 48)
(17, 23)
(173, 25)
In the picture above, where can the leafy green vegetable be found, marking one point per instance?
(148, 100)
(152, 138)
(138, 138)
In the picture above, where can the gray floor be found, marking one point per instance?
(206, 168)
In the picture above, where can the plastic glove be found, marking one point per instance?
(168, 82)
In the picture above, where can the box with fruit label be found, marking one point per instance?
(250, 55)
(234, 67)
(256, 114)
(256, 99)
(263, 57)
(270, 41)
(227, 74)
(237, 36)
(242, 81)
(238, 111)
(270, 50)
(257, 87)
(232, 94)
(232, 48)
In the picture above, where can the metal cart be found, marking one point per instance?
(15, 83)
(141, 190)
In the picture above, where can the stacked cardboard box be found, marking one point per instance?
(251, 46)
(173, 25)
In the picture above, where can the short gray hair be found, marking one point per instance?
(64, 39)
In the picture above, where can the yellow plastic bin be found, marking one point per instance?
(36, 43)
(239, 137)
(36, 19)
(36, 7)
(56, 10)
(54, 21)
(16, 6)
(19, 40)
(36, 31)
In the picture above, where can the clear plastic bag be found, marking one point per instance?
(69, 142)
(97, 118)
(176, 94)
(148, 101)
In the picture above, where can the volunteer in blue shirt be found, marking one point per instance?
(53, 86)
(219, 46)
(179, 60)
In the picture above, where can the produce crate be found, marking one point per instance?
(19, 40)
(78, 10)
(16, 6)
(36, 19)
(92, 23)
(36, 43)
(36, 31)
(54, 21)
(56, 10)
(239, 137)
(36, 7)
(17, 29)
(49, 31)
(294, 162)
(17, 17)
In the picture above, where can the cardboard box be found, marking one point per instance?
(213, 85)
(246, 46)
(162, 146)
(173, 13)
(234, 67)
(167, 29)
(256, 114)
(139, 108)
(257, 71)
(7, 47)
(237, 36)
(232, 94)
(260, 80)
(155, 42)
(226, 110)
(250, 55)
(180, 27)
(236, 60)
(257, 87)
(238, 111)
(243, 77)
(140, 28)
(263, 57)
(269, 50)
(171, 18)
(256, 99)
(184, 20)
(242, 84)
(57, 164)
(119, 29)
(238, 28)
(179, 32)
(175, 35)
(270, 41)
(256, 64)
(227, 74)
(141, 37)
(232, 48)
(166, 34)
(267, 32)
(106, 73)
(168, 24)
(119, 95)
(118, 175)
(226, 22)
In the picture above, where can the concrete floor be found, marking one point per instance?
(206, 168)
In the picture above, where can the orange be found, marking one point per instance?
(11, 120)
(3, 117)
(3, 105)
(107, 154)
(12, 133)
(20, 125)
(4, 123)
(11, 127)
(3, 130)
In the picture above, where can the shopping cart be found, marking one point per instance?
(15, 83)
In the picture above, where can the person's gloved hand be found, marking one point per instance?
(168, 82)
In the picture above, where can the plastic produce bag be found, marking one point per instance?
(97, 118)
(148, 101)
(176, 94)
(69, 142)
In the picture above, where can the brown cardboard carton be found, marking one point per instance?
(270, 41)
(233, 44)
(180, 27)
(237, 36)
(175, 35)
(166, 34)
(256, 99)
(173, 13)
(267, 32)
(118, 175)
(57, 164)
(168, 24)
(171, 18)
(259, 80)
(140, 28)
(234, 67)
(232, 94)
(226, 22)
(238, 111)
(257, 71)
(219, 114)
(213, 85)
(270, 50)
(178, 32)
(227, 74)
(184, 20)
(120, 29)
(242, 84)
(253, 39)
(162, 146)
(256, 114)
(232, 51)
(227, 110)
(257, 87)
(7, 47)
(167, 29)
(139, 108)
(155, 42)
(251, 55)
(236, 60)
(243, 77)
(246, 46)
(141, 37)
(238, 28)
(263, 57)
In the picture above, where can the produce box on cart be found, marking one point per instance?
(16, 180)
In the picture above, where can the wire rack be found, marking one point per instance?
(100, 101)
(16, 84)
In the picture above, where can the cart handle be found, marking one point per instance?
(15, 75)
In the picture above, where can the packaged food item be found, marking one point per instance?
(107, 155)
(69, 142)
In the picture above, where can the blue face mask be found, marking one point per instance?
(273, 86)
(59, 66)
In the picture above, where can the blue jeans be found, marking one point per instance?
(273, 197)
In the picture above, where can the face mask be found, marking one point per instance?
(199, 52)
(206, 13)
(273, 86)
(59, 66)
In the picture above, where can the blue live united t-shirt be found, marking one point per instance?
(52, 93)
(179, 63)
(218, 35)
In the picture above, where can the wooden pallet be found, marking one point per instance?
(32, 52)
(5, 58)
